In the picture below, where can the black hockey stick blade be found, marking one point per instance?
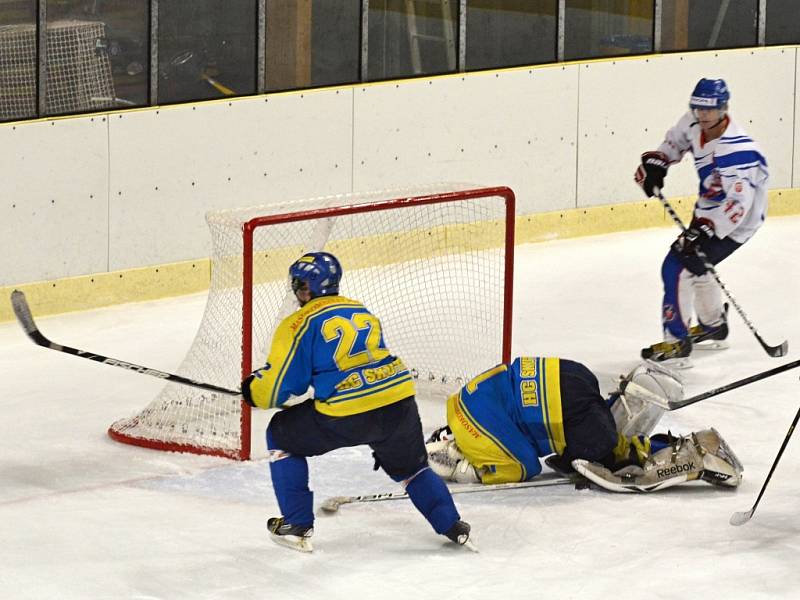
(740, 518)
(25, 318)
(676, 404)
(774, 351)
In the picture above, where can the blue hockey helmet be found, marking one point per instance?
(710, 94)
(320, 270)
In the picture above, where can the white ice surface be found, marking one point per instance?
(84, 517)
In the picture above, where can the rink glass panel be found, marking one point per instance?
(17, 60)
(595, 28)
(783, 22)
(710, 24)
(312, 43)
(411, 38)
(206, 49)
(510, 32)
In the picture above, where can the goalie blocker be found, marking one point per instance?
(503, 421)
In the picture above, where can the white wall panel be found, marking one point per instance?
(83, 195)
(53, 199)
(796, 149)
(170, 166)
(626, 106)
(514, 128)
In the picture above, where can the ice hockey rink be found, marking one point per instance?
(83, 517)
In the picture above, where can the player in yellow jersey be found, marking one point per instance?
(503, 421)
(362, 395)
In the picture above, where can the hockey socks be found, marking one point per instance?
(290, 482)
(432, 498)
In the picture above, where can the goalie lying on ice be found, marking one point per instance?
(503, 421)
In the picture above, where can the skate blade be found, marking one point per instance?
(712, 345)
(301, 544)
(469, 545)
(673, 363)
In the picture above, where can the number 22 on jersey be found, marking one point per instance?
(346, 330)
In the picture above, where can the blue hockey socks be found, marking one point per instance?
(671, 317)
(290, 482)
(432, 498)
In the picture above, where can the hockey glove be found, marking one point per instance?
(651, 172)
(690, 239)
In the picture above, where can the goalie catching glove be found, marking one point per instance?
(446, 460)
(700, 455)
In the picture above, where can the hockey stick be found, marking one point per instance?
(676, 404)
(740, 518)
(774, 351)
(331, 505)
(25, 318)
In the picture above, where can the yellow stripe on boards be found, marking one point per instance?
(105, 289)
(174, 279)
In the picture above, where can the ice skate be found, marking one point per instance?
(674, 354)
(459, 534)
(706, 337)
(295, 537)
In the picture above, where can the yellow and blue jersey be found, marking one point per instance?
(508, 417)
(336, 346)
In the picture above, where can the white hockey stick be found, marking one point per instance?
(331, 505)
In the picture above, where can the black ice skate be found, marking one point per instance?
(677, 353)
(295, 537)
(459, 534)
(710, 338)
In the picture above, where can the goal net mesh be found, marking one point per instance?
(78, 69)
(434, 274)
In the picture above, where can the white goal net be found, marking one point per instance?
(434, 264)
(77, 66)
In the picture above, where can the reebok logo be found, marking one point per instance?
(675, 469)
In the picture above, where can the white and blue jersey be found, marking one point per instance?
(732, 194)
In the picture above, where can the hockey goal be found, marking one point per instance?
(434, 264)
(79, 75)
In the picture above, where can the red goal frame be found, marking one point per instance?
(247, 275)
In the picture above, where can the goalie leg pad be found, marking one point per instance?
(702, 455)
(666, 468)
(720, 465)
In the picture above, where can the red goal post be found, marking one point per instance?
(434, 264)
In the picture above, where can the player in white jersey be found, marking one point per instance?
(731, 205)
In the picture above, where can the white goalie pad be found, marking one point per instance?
(703, 455)
(644, 396)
